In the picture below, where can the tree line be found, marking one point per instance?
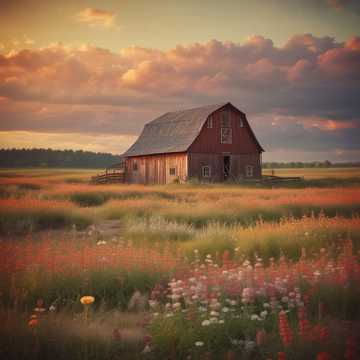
(312, 164)
(56, 158)
(89, 159)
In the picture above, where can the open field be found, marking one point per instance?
(200, 271)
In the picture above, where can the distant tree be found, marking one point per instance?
(55, 158)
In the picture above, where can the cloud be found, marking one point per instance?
(308, 88)
(97, 17)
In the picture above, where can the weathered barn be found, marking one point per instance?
(210, 143)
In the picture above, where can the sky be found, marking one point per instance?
(89, 74)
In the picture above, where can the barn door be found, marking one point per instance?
(226, 167)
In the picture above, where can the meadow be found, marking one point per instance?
(182, 271)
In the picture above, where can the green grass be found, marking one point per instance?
(23, 221)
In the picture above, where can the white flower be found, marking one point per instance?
(199, 343)
(266, 305)
(225, 309)
(214, 320)
(152, 303)
(263, 314)
(147, 349)
(284, 299)
(52, 308)
(255, 317)
(221, 321)
(249, 345)
(205, 323)
(214, 313)
(177, 305)
(169, 315)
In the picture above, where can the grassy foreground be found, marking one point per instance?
(179, 271)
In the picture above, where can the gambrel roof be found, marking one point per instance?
(174, 131)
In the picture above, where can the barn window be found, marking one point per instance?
(135, 166)
(249, 171)
(172, 171)
(241, 122)
(225, 119)
(226, 135)
(206, 171)
(210, 122)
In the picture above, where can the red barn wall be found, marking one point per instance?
(207, 148)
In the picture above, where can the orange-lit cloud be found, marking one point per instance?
(304, 93)
(96, 17)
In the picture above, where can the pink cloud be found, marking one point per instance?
(87, 89)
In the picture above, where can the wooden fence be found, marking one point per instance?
(108, 178)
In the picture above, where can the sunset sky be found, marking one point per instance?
(89, 74)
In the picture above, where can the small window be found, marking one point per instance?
(135, 166)
(241, 122)
(210, 122)
(249, 171)
(172, 171)
(226, 135)
(225, 119)
(206, 171)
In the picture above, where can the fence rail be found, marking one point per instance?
(109, 178)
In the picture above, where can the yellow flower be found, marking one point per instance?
(87, 300)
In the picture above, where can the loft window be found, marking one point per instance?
(226, 135)
(210, 122)
(249, 171)
(225, 119)
(241, 122)
(135, 166)
(206, 171)
(172, 171)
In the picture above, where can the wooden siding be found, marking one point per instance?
(209, 139)
(238, 165)
(155, 169)
(207, 149)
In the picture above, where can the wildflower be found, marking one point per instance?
(177, 305)
(214, 313)
(255, 317)
(285, 330)
(225, 309)
(214, 320)
(249, 345)
(147, 349)
(199, 343)
(33, 322)
(222, 321)
(205, 323)
(147, 339)
(263, 314)
(87, 300)
(52, 308)
(260, 337)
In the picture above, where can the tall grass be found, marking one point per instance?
(28, 214)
